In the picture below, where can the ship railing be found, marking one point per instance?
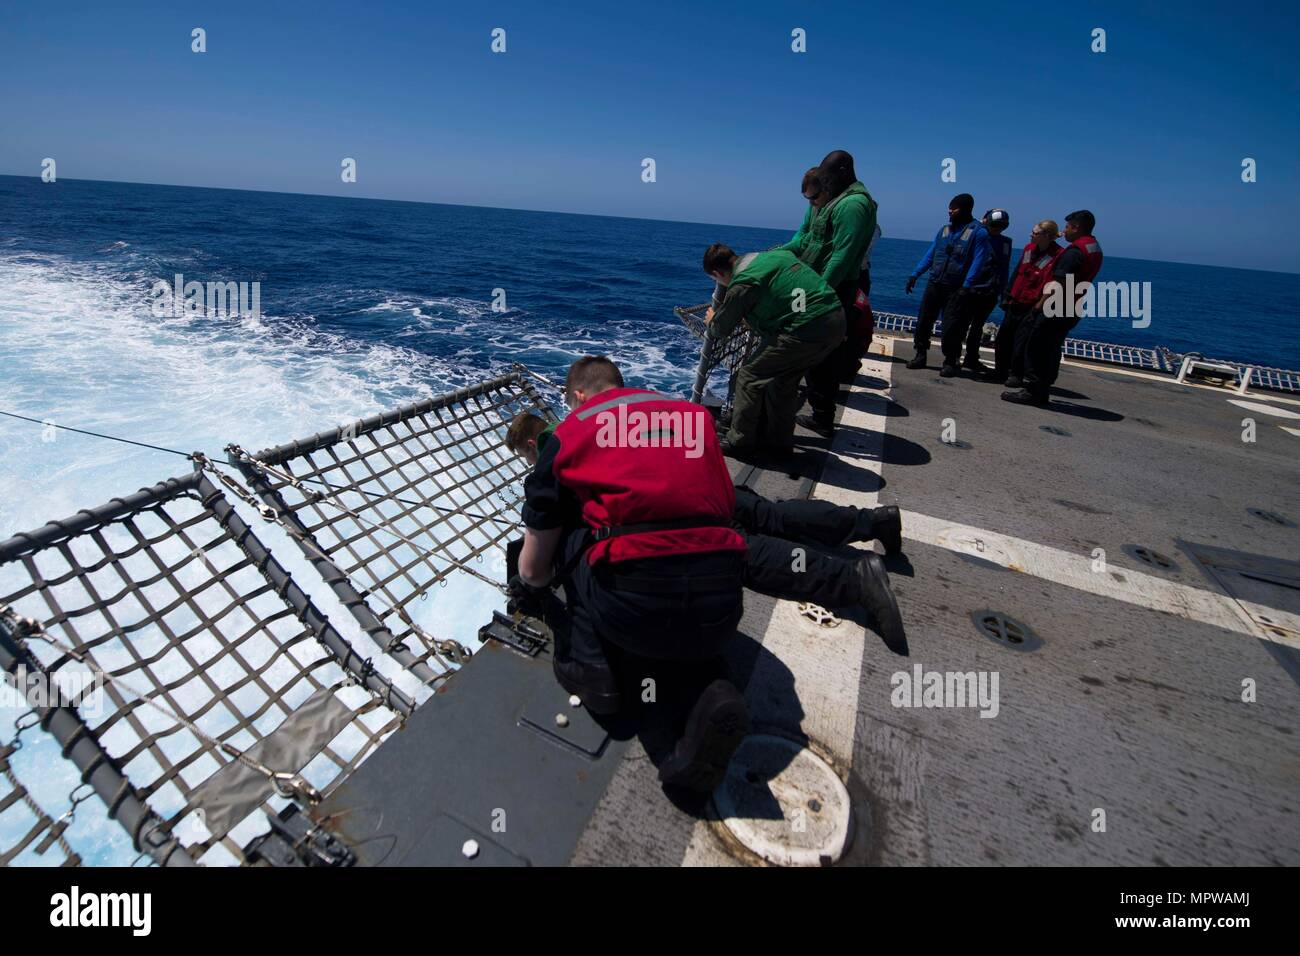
(719, 359)
(716, 357)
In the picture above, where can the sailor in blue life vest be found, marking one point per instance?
(632, 500)
(954, 260)
(1081, 262)
(965, 319)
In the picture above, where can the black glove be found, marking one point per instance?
(911, 284)
(524, 598)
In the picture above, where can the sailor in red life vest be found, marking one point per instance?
(1034, 271)
(633, 500)
(772, 531)
(1081, 259)
(632, 497)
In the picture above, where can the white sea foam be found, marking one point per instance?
(80, 348)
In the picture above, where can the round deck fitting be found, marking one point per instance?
(1148, 556)
(784, 803)
(1007, 631)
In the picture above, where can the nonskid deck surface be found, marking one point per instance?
(1129, 712)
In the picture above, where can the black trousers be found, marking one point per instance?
(780, 562)
(674, 609)
(935, 301)
(964, 321)
(1012, 341)
(683, 607)
(1044, 341)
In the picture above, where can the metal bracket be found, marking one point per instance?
(520, 634)
(295, 840)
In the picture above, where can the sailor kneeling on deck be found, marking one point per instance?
(800, 322)
(658, 572)
(773, 528)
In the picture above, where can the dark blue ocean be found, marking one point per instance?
(420, 276)
(366, 304)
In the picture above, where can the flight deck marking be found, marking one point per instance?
(1075, 571)
(827, 671)
(1263, 409)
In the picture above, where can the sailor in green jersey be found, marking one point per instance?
(800, 322)
(835, 239)
(834, 236)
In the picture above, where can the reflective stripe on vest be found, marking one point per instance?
(951, 261)
(1033, 273)
(1092, 257)
(635, 398)
(650, 465)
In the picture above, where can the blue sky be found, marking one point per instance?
(1150, 135)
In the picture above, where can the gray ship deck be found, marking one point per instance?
(1132, 703)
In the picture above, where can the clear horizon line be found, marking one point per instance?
(560, 212)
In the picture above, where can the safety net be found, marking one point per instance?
(394, 505)
(29, 833)
(719, 360)
(183, 674)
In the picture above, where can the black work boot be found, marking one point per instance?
(810, 422)
(1025, 397)
(1014, 381)
(883, 524)
(948, 371)
(715, 728)
(918, 361)
(738, 452)
(594, 684)
(879, 601)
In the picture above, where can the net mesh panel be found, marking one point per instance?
(164, 596)
(719, 361)
(29, 834)
(428, 487)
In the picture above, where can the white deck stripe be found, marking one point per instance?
(1263, 409)
(1075, 571)
(826, 663)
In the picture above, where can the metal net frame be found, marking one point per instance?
(220, 690)
(27, 830)
(392, 505)
(723, 357)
